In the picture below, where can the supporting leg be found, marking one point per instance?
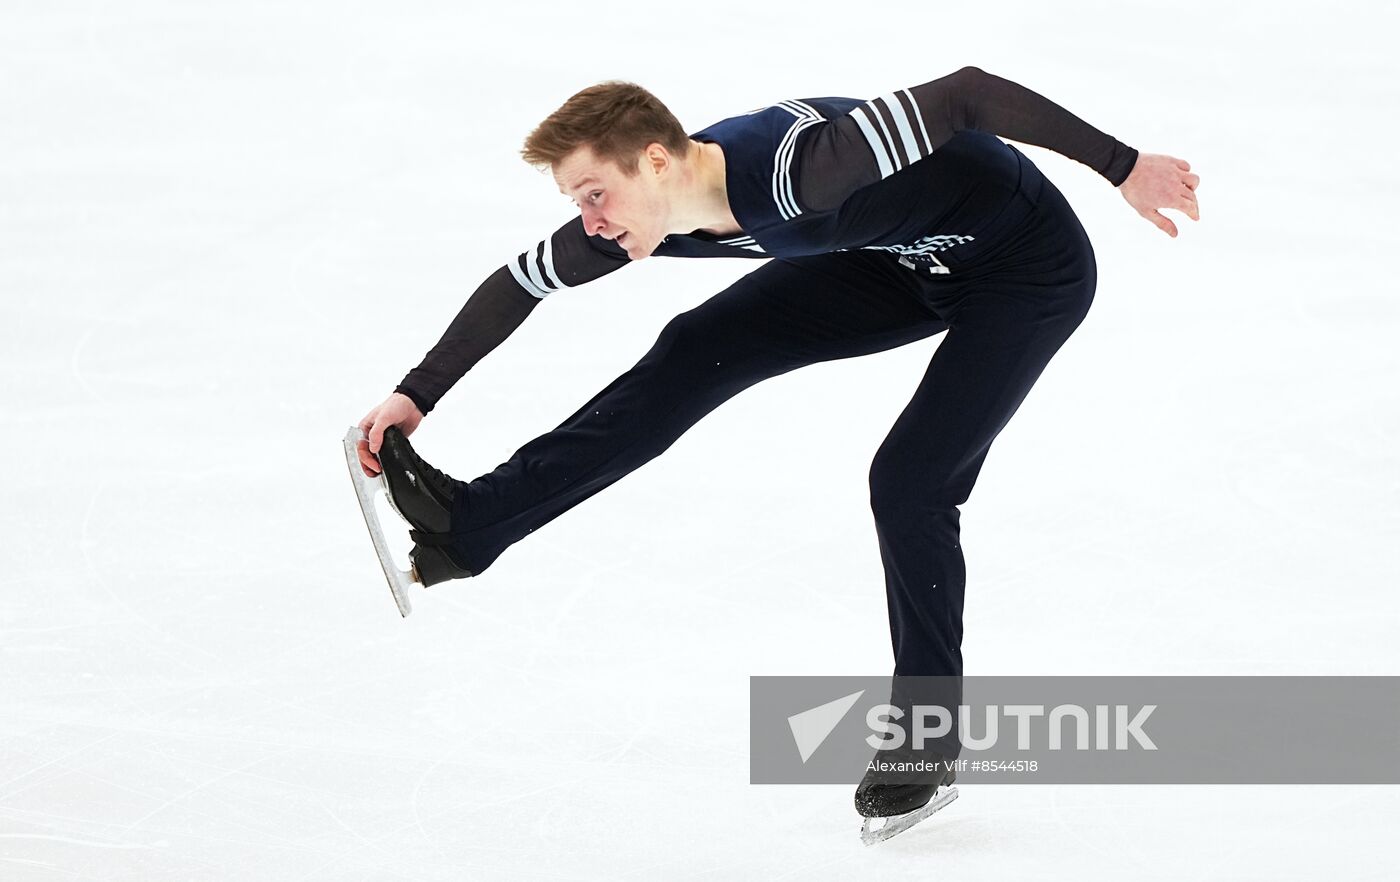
(1003, 331)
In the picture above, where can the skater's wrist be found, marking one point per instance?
(420, 402)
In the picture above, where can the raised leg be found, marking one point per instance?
(787, 314)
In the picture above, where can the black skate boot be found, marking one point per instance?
(423, 496)
(909, 787)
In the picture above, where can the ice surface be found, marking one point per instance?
(228, 229)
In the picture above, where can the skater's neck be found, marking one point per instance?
(702, 201)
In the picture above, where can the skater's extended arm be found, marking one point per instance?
(497, 307)
(568, 258)
(887, 133)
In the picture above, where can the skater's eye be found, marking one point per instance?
(593, 197)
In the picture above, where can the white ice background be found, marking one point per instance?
(228, 229)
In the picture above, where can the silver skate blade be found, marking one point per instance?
(365, 488)
(897, 824)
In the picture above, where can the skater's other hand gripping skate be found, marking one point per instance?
(1159, 181)
(396, 410)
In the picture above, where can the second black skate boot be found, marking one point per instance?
(423, 496)
(903, 787)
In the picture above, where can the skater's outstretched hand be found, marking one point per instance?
(1159, 181)
(397, 410)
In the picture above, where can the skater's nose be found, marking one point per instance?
(593, 221)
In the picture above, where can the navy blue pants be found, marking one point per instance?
(1005, 313)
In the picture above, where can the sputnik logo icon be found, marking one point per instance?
(811, 727)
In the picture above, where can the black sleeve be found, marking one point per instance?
(885, 134)
(500, 304)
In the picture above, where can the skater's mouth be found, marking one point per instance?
(620, 237)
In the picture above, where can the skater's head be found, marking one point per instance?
(624, 160)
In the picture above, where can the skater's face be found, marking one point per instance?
(633, 211)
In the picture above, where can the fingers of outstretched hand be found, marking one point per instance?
(1188, 206)
(1161, 222)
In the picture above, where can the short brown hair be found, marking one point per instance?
(616, 119)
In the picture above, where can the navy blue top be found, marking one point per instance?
(945, 201)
